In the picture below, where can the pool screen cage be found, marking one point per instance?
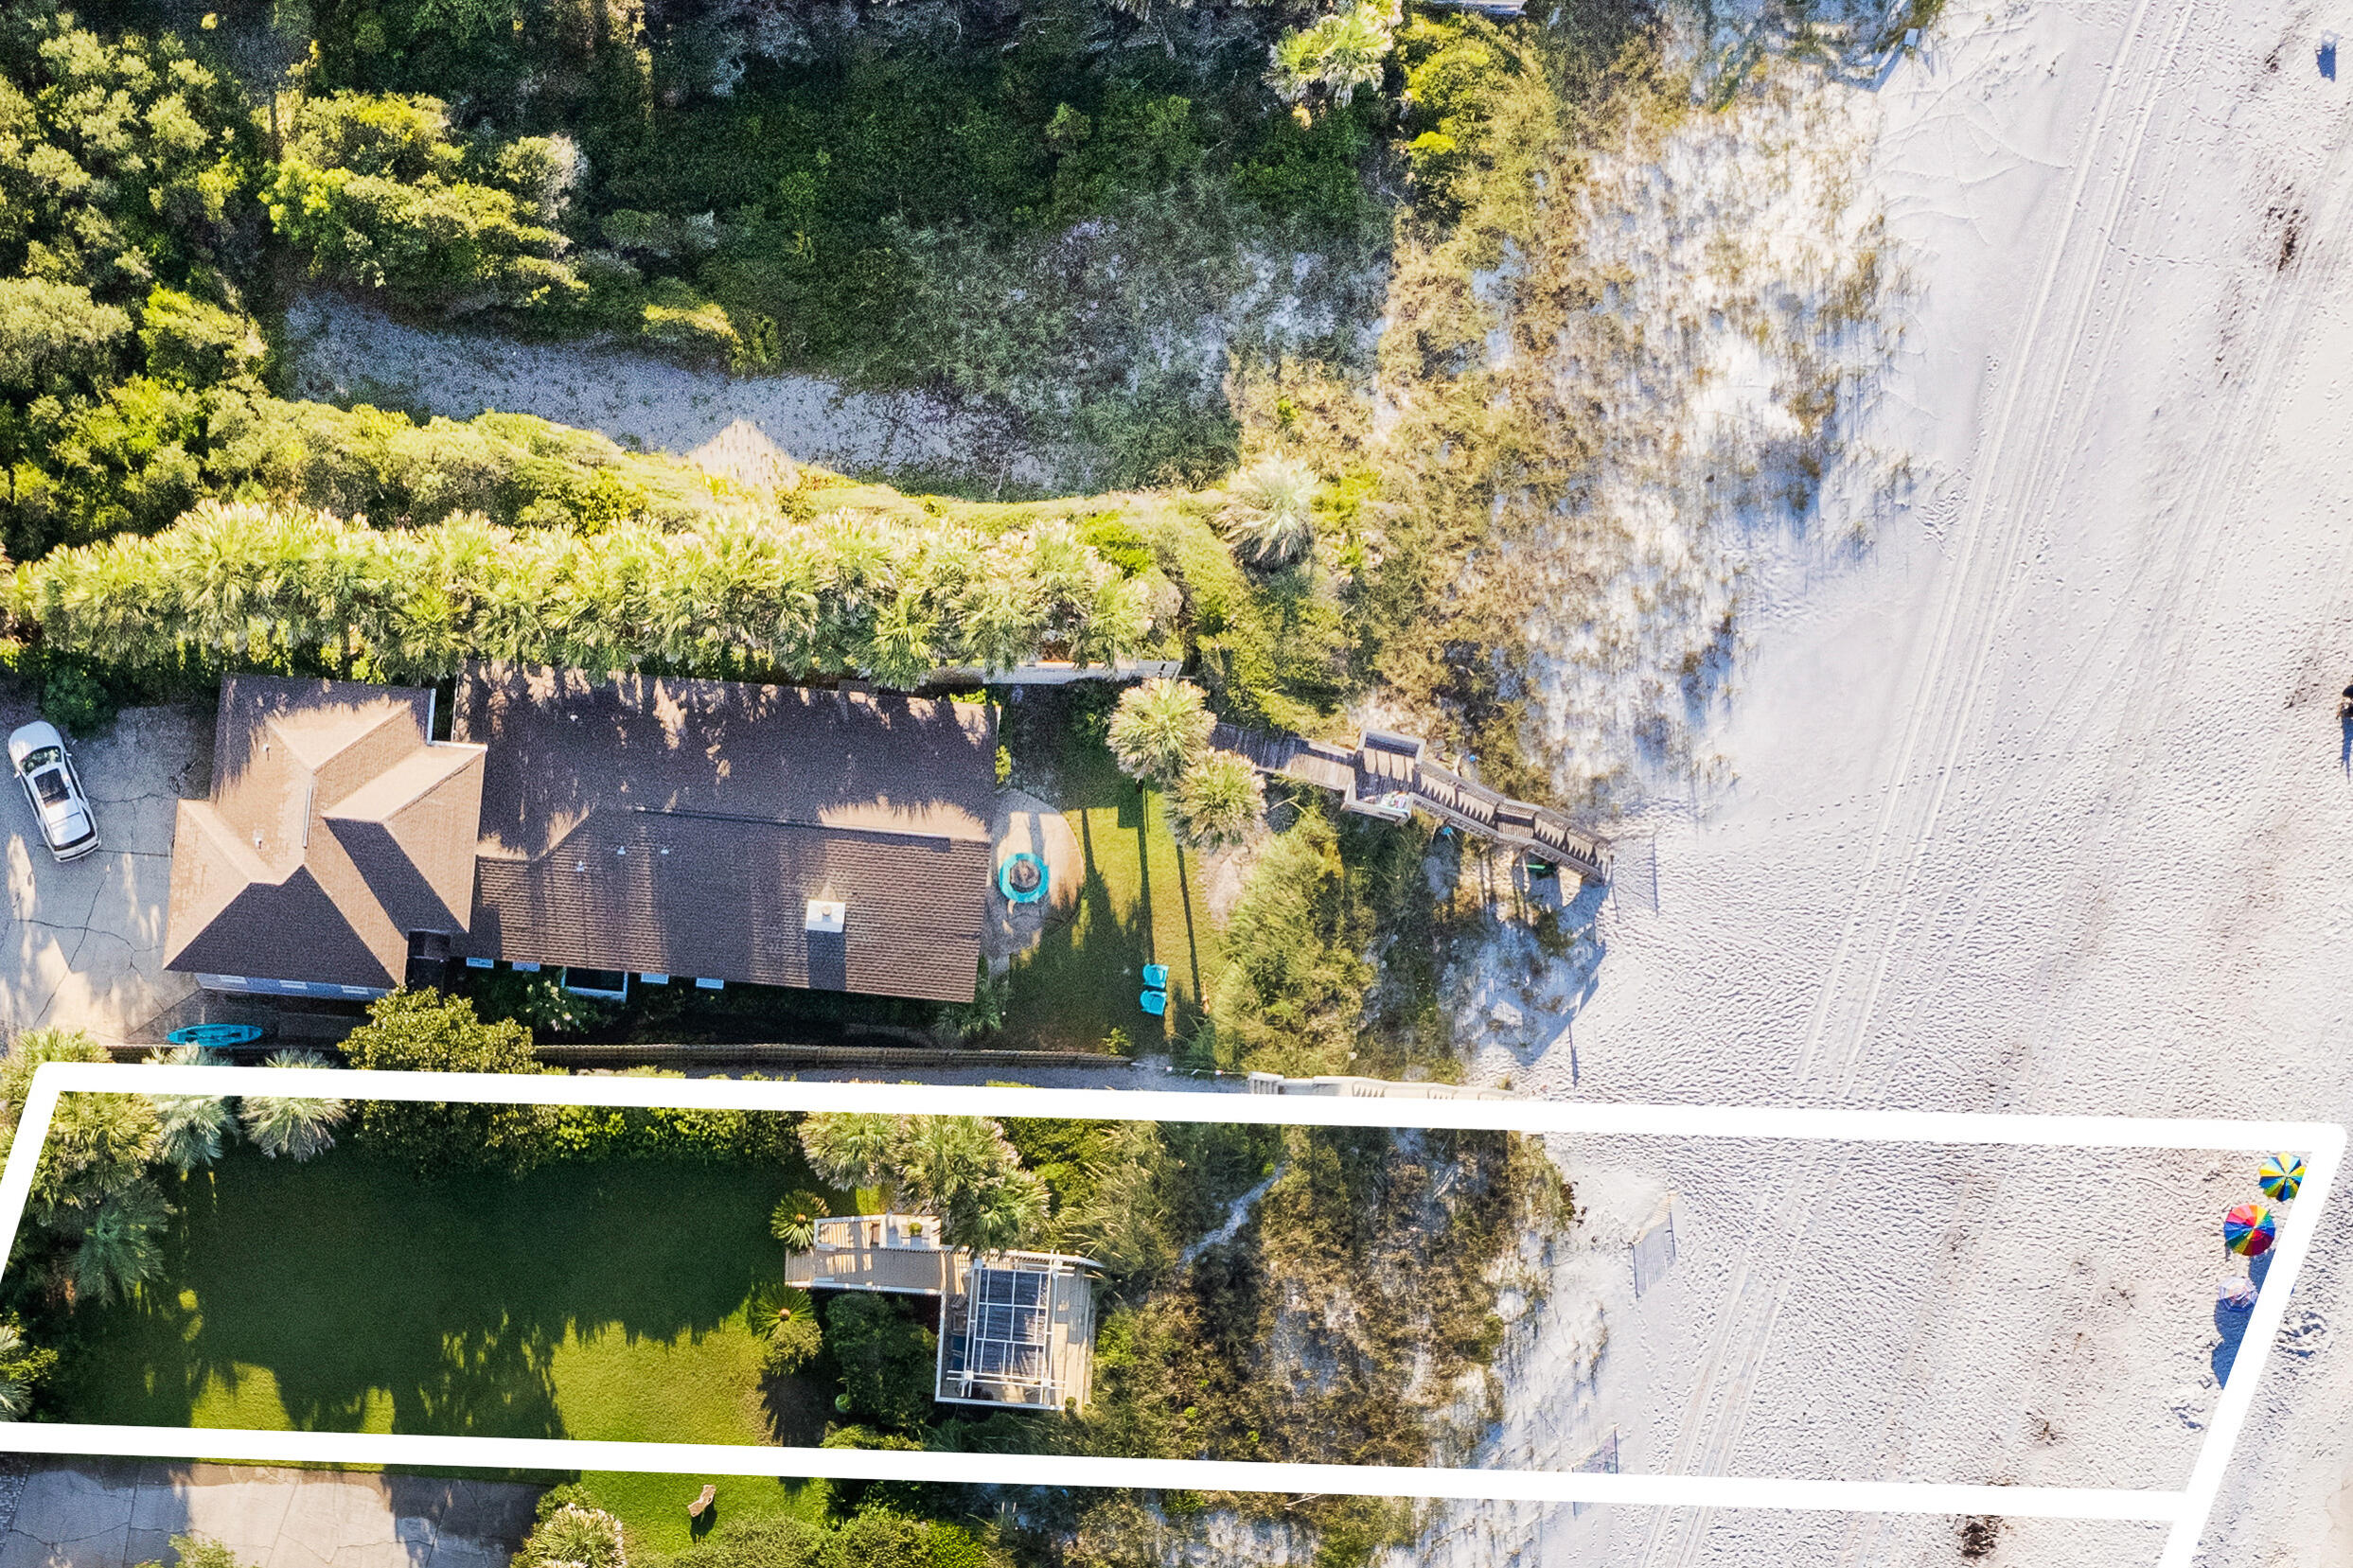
(997, 1347)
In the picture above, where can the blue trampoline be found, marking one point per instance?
(1022, 878)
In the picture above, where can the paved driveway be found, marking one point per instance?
(84, 941)
(114, 1514)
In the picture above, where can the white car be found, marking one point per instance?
(36, 753)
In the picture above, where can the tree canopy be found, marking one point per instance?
(425, 1031)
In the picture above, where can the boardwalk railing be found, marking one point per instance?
(1389, 776)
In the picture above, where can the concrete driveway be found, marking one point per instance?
(84, 941)
(115, 1513)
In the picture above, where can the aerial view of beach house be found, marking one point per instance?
(1101, 783)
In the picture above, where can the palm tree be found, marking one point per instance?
(943, 1159)
(291, 1124)
(1270, 511)
(1160, 728)
(1007, 1212)
(850, 1147)
(1217, 799)
(793, 1220)
(191, 1125)
(1340, 54)
(118, 1251)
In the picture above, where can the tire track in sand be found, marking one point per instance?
(1967, 629)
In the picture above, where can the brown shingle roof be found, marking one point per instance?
(683, 826)
(335, 828)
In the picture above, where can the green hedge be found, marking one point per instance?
(252, 585)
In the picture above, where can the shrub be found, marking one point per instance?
(196, 1552)
(880, 1538)
(55, 339)
(573, 1536)
(74, 699)
(24, 1368)
(196, 343)
(538, 1004)
(686, 325)
(771, 1541)
(793, 1342)
(887, 1359)
(373, 189)
(986, 1013)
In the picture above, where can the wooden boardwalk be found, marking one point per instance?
(1391, 776)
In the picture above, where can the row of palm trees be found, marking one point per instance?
(1159, 736)
(97, 1197)
(246, 583)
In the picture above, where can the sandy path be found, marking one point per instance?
(347, 349)
(2044, 807)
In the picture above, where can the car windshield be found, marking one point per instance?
(52, 787)
(35, 761)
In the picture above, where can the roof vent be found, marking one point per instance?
(824, 915)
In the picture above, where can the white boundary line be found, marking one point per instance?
(2321, 1145)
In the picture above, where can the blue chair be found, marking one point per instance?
(1155, 1002)
(1156, 976)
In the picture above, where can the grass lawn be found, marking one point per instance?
(1140, 902)
(613, 1300)
(652, 1508)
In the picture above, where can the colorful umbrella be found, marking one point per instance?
(2281, 1177)
(2248, 1230)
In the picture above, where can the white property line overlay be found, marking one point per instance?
(2321, 1144)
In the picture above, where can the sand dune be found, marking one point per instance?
(2040, 806)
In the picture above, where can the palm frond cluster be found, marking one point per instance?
(98, 1199)
(960, 1168)
(249, 584)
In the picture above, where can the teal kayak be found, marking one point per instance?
(214, 1037)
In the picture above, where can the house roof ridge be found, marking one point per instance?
(450, 757)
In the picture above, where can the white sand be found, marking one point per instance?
(343, 349)
(2038, 807)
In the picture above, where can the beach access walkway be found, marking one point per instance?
(1391, 776)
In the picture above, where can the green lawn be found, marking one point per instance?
(1140, 902)
(612, 1301)
(652, 1508)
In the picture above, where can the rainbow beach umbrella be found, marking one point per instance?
(2281, 1177)
(2248, 1229)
